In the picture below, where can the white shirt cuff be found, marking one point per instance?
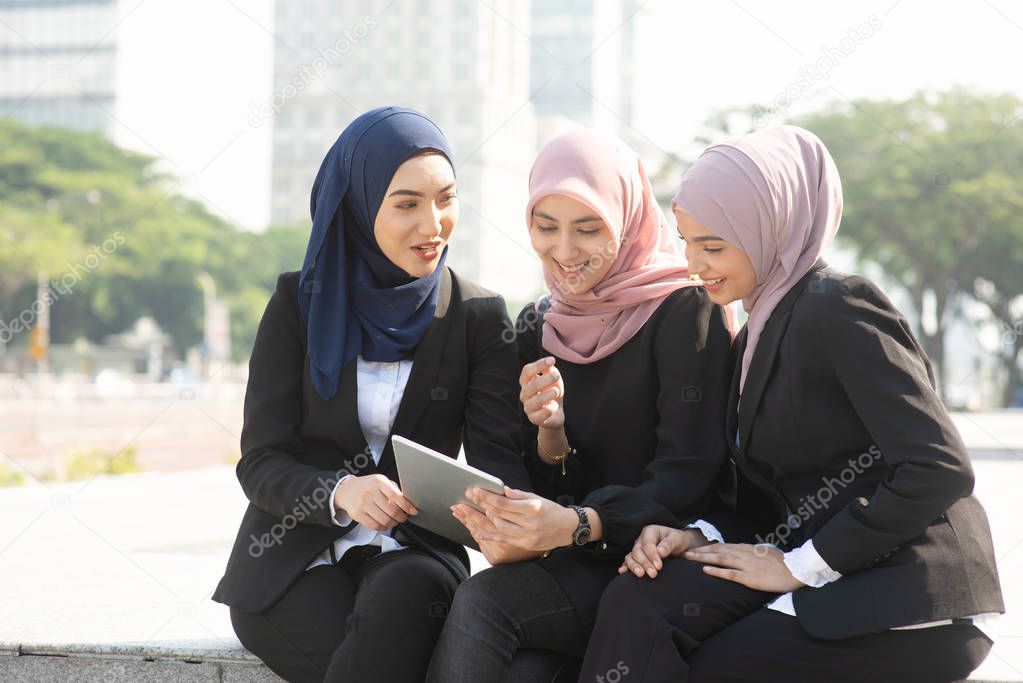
(709, 531)
(806, 564)
(340, 517)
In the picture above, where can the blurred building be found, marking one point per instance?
(171, 79)
(582, 64)
(57, 63)
(463, 62)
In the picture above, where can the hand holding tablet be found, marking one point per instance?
(433, 482)
(374, 501)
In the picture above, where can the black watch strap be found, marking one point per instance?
(582, 532)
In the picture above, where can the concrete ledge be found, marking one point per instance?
(184, 661)
(141, 583)
(205, 661)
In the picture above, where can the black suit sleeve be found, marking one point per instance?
(692, 356)
(491, 435)
(888, 381)
(270, 471)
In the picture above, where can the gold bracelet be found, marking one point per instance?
(555, 458)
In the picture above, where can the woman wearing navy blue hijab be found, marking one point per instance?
(329, 578)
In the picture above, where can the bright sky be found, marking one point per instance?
(695, 58)
(708, 56)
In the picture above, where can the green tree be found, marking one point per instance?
(931, 195)
(99, 220)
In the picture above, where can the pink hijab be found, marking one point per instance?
(776, 195)
(601, 171)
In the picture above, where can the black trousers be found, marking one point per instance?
(364, 620)
(687, 626)
(514, 623)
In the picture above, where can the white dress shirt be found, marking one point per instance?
(380, 388)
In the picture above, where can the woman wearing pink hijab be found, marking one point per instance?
(853, 549)
(623, 387)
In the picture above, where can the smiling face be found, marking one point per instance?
(418, 214)
(575, 245)
(724, 268)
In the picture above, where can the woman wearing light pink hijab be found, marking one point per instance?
(623, 386)
(596, 309)
(852, 549)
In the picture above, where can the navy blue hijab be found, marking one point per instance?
(353, 299)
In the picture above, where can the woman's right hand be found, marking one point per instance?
(657, 542)
(373, 501)
(542, 393)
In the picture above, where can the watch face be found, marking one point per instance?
(582, 536)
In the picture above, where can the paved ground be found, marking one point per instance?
(135, 558)
(169, 428)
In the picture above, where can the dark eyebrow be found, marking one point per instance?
(705, 238)
(414, 193)
(584, 219)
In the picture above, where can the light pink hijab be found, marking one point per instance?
(776, 195)
(601, 171)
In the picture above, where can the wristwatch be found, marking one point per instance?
(581, 535)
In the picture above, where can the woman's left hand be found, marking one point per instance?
(759, 567)
(478, 525)
(524, 519)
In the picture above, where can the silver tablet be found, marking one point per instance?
(434, 482)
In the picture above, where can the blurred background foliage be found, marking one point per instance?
(64, 194)
(929, 198)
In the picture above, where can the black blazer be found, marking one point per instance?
(295, 445)
(646, 424)
(839, 425)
